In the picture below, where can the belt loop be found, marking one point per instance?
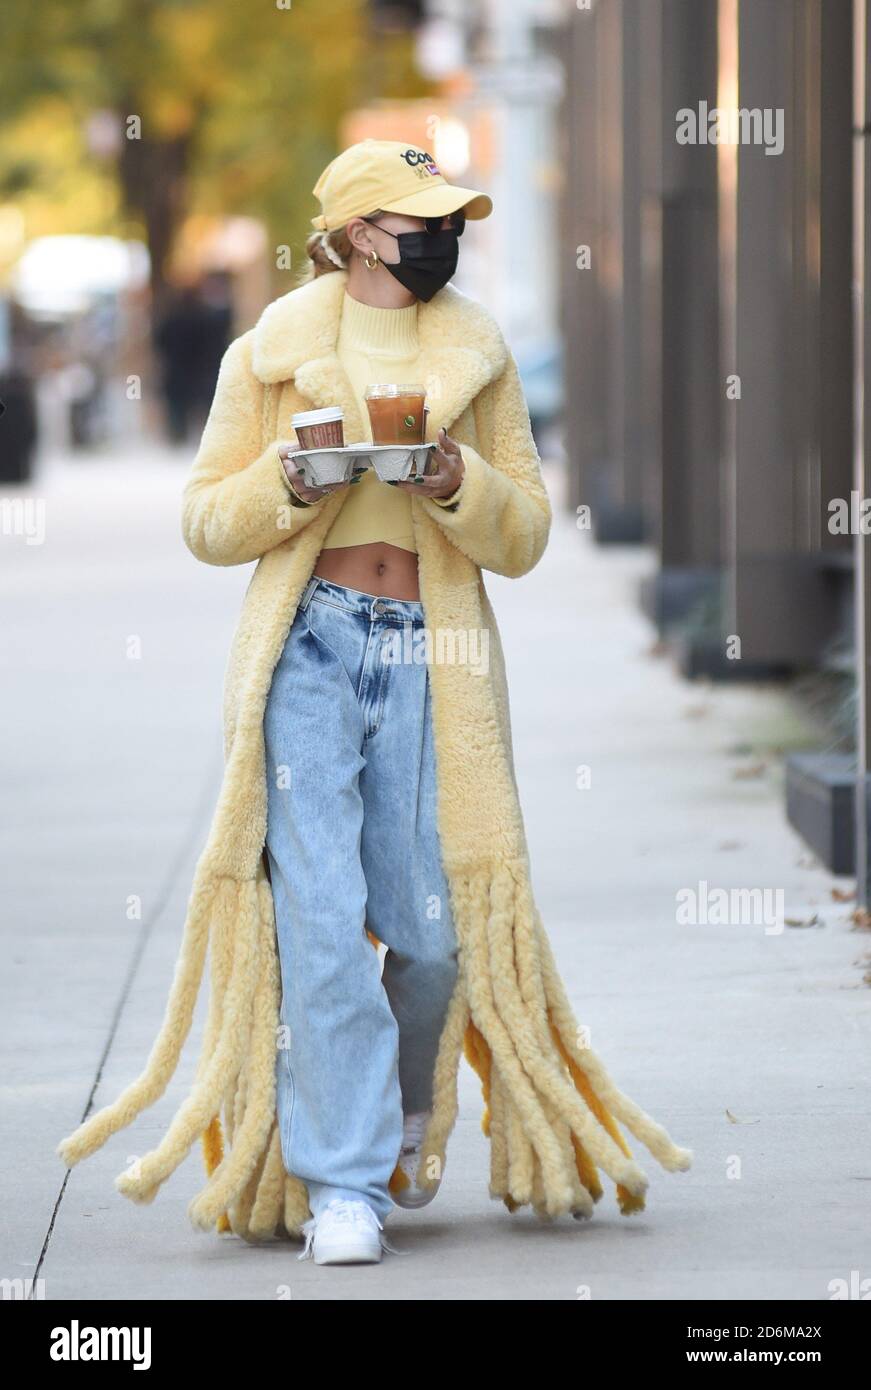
(308, 591)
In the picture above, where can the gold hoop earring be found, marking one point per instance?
(371, 261)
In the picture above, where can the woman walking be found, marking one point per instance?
(369, 794)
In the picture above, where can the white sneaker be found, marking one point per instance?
(411, 1195)
(344, 1233)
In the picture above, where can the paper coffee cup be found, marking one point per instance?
(320, 429)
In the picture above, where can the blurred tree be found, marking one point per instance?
(134, 112)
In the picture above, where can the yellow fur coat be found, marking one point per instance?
(551, 1110)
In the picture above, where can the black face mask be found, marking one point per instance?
(427, 260)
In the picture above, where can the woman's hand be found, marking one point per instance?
(296, 477)
(449, 471)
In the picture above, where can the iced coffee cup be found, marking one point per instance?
(320, 429)
(396, 413)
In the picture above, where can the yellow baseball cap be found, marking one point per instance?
(394, 177)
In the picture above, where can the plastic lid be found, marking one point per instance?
(318, 417)
(388, 389)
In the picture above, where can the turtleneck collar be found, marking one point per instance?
(378, 332)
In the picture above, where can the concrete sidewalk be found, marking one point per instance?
(751, 1047)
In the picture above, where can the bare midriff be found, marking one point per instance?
(379, 568)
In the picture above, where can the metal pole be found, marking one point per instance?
(863, 451)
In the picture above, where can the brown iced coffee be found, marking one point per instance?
(396, 413)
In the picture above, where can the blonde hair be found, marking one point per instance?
(330, 251)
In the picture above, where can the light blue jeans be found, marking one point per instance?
(352, 841)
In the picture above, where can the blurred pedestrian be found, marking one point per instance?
(214, 328)
(18, 415)
(178, 342)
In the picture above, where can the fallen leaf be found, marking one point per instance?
(844, 895)
(733, 1120)
(802, 921)
(749, 771)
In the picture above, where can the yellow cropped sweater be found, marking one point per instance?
(375, 345)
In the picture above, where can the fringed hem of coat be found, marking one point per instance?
(552, 1112)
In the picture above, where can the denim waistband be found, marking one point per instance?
(374, 607)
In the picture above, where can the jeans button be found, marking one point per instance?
(380, 607)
